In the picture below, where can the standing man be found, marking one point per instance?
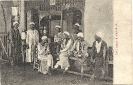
(77, 29)
(45, 33)
(56, 37)
(32, 41)
(99, 53)
(15, 43)
(57, 40)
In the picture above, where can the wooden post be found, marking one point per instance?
(22, 26)
(22, 16)
(61, 23)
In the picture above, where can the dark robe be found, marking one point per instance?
(99, 58)
(15, 44)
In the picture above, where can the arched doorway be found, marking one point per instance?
(35, 17)
(72, 15)
(50, 21)
(32, 16)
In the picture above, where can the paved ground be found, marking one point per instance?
(23, 75)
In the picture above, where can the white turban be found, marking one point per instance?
(44, 31)
(77, 24)
(57, 26)
(100, 34)
(44, 37)
(80, 34)
(32, 23)
(14, 23)
(67, 33)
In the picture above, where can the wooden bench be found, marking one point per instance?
(82, 63)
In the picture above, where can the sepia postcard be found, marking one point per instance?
(66, 42)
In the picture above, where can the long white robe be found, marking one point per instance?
(32, 39)
(64, 61)
(46, 59)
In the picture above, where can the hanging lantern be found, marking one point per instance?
(23, 35)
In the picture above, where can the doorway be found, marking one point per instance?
(50, 21)
(71, 16)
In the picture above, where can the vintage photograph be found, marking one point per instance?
(56, 42)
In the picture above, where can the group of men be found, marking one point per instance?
(71, 45)
(67, 44)
(74, 45)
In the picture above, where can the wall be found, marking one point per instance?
(8, 18)
(98, 16)
(2, 24)
(123, 57)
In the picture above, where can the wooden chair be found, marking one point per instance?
(82, 62)
(109, 61)
(36, 63)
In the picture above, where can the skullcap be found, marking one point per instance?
(14, 23)
(100, 34)
(32, 23)
(67, 33)
(80, 34)
(77, 24)
(57, 26)
(44, 37)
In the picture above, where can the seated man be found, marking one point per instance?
(80, 51)
(44, 56)
(80, 46)
(64, 53)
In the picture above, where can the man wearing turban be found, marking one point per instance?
(15, 42)
(80, 49)
(80, 45)
(32, 40)
(77, 28)
(99, 53)
(44, 56)
(64, 53)
(57, 40)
